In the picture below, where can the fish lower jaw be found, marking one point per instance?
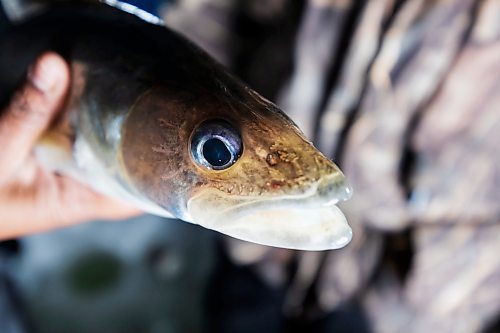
(312, 229)
(301, 224)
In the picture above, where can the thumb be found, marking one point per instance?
(31, 111)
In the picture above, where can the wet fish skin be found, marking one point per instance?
(139, 90)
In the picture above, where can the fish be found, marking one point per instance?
(151, 119)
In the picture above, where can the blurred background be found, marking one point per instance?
(404, 95)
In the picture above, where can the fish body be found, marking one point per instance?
(153, 120)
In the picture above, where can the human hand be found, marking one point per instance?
(33, 199)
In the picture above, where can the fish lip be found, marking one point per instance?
(309, 221)
(327, 191)
(335, 187)
(314, 197)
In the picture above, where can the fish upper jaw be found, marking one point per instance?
(333, 189)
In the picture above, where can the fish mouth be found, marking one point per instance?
(309, 221)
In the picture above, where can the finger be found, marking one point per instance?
(60, 202)
(90, 205)
(31, 111)
(69, 202)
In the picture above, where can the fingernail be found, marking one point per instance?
(44, 74)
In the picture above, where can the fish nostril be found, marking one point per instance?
(334, 188)
(272, 159)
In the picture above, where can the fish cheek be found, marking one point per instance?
(154, 150)
(280, 160)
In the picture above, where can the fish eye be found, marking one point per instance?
(216, 145)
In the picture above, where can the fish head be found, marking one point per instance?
(232, 161)
(183, 136)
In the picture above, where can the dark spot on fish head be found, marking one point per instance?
(272, 159)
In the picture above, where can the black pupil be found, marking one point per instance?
(216, 152)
